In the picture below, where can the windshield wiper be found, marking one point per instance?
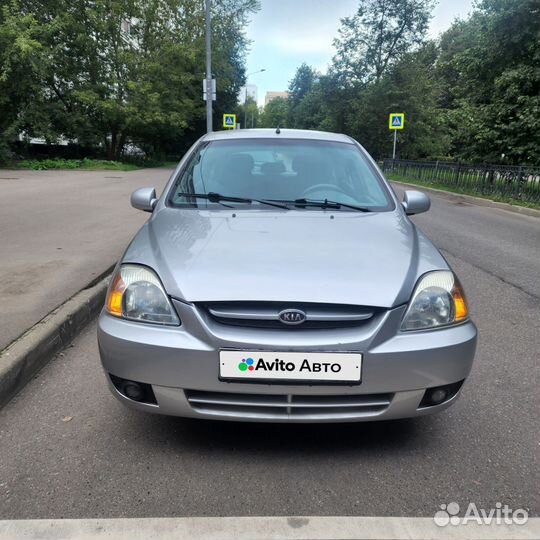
(218, 198)
(334, 205)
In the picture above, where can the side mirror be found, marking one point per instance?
(144, 199)
(415, 202)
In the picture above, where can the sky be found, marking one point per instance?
(285, 33)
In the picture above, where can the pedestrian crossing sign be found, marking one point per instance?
(229, 121)
(396, 121)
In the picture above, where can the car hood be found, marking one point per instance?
(371, 259)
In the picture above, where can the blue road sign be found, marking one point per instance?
(396, 121)
(229, 121)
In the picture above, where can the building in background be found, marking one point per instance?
(273, 95)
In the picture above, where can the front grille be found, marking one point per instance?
(266, 314)
(288, 406)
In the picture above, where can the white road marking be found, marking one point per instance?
(261, 528)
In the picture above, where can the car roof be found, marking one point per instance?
(305, 134)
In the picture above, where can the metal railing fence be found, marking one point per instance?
(507, 181)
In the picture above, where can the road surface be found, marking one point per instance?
(60, 230)
(70, 450)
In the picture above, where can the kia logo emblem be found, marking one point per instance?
(292, 316)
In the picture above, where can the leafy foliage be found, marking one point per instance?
(377, 35)
(110, 72)
(490, 69)
(248, 113)
(86, 164)
(275, 114)
(473, 94)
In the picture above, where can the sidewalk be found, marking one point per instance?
(59, 230)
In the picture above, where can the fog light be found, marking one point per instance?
(437, 396)
(133, 391)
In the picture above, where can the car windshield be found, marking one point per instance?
(287, 170)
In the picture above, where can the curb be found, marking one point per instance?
(265, 528)
(478, 201)
(25, 356)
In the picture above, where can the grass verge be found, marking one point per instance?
(462, 191)
(86, 164)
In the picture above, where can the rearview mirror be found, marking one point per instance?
(144, 199)
(415, 202)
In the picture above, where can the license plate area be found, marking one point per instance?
(331, 367)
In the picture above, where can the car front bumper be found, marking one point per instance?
(182, 366)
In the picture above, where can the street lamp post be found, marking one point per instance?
(208, 66)
(245, 94)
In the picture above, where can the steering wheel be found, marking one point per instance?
(322, 187)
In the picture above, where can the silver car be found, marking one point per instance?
(279, 279)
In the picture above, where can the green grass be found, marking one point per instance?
(87, 164)
(164, 164)
(461, 190)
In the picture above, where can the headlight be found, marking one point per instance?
(136, 293)
(438, 300)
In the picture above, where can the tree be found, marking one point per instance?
(490, 67)
(410, 86)
(380, 32)
(250, 112)
(275, 113)
(106, 72)
(474, 94)
(301, 84)
(303, 101)
(21, 59)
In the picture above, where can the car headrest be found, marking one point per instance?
(240, 163)
(302, 164)
(273, 167)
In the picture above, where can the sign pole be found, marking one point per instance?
(245, 109)
(208, 67)
(395, 140)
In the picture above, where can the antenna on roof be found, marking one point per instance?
(278, 131)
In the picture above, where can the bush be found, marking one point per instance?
(88, 164)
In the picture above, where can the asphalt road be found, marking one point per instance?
(70, 450)
(60, 230)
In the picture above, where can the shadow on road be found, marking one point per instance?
(279, 439)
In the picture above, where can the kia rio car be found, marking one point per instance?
(279, 279)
